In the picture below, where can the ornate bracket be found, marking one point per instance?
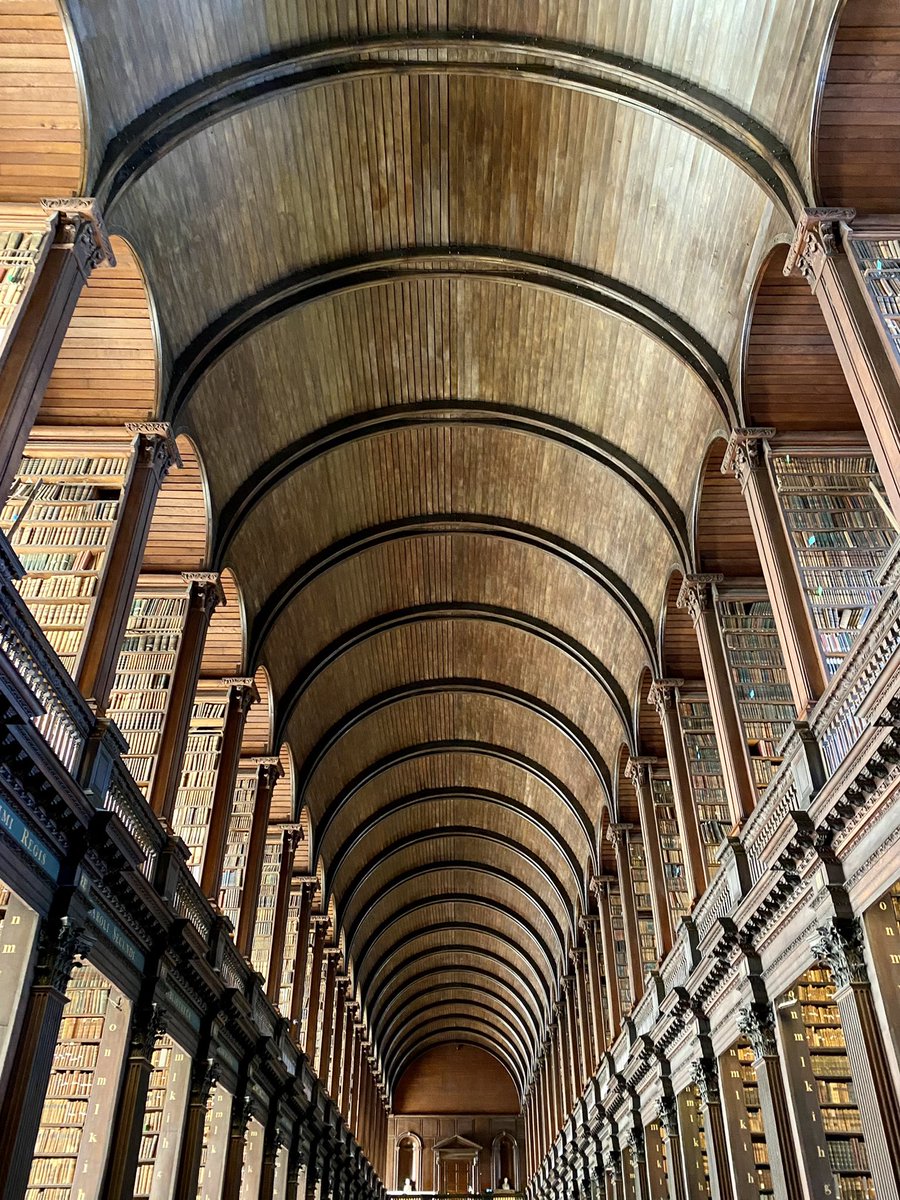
(839, 944)
(815, 240)
(91, 241)
(696, 594)
(757, 1023)
(744, 452)
(705, 1075)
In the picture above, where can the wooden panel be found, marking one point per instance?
(858, 144)
(223, 650)
(792, 375)
(106, 370)
(40, 111)
(725, 541)
(455, 1079)
(258, 729)
(681, 652)
(179, 529)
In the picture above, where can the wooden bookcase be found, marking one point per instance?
(623, 979)
(216, 1128)
(237, 842)
(759, 680)
(640, 878)
(264, 928)
(878, 261)
(18, 926)
(290, 950)
(163, 1115)
(841, 535)
(693, 1143)
(23, 242)
(193, 801)
(743, 1116)
(59, 519)
(140, 691)
(79, 1109)
(705, 768)
(670, 846)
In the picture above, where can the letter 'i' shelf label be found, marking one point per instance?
(16, 829)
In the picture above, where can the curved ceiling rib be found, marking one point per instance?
(429, 749)
(460, 1031)
(454, 611)
(500, 264)
(662, 93)
(499, 1022)
(438, 524)
(473, 978)
(466, 994)
(447, 686)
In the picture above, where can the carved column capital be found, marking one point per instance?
(206, 586)
(637, 769)
(815, 240)
(156, 448)
(147, 1026)
(696, 594)
(90, 240)
(59, 944)
(636, 1144)
(204, 1077)
(839, 944)
(270, 769)
(705, 1075)
(577, 955)
(667, 1114)
(618, 834)
(744, 452)
(243, 688)
(757, 1023)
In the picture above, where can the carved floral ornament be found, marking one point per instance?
(839, 944)
(90, 241)
(663, 694)
(815, 240)
(696, 594)
(744, 452)
(757, 1023)
(705, 1075)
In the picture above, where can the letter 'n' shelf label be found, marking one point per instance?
(17, 831)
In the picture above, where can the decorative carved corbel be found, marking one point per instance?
(757, 1023)
(696, 594)
(744, 452)
(90, 241)
(839, 944)
(815, 240)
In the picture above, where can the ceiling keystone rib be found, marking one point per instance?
(463, 1032)
(440, 524)
(493, 799)
(433, 687)
(602, 73)
(492, 1018)
(475, 867)
(463, 993)
(380, 999)
(367, 982)
(450, 611)
(500, 264)
(456, 746)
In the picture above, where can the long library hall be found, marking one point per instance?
(449, 600)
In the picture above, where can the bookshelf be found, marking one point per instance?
(18, 925)
(693, 1143)
(193, 801)
(81, 1093)
(878, 262)
(656, 1159)
(705, 769)
(237, 843)
(216, 1126)
(20, 252)
(623, 979)
(640, 879)
(140, 690)
(59, 519)
(747, 1137)
(264, 927)
(841, 534)
(760, 682)
(670, 846)
(290, 950)
(156, 1128)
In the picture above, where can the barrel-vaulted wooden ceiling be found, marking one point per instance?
(451, 299)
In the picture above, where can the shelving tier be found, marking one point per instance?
(237, 842)
(670, 846)
(623, 979)
(705, 767)
(140, 691)
(23, 243)
(760, 681)
(60, 518)
(640, 879)
(878, 261)
(835, 514)
(264, 928)
(290, 950)
(193, 801)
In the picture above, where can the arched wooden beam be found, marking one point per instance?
(593, 71)
(433, 687)
(499, 264)
(418, 985)
(474, 867)
(467, 1037)
(450, 611)
(380, 998)
(470, 995)
(495, 799)
(435, 525)
(451, 746)
(365, 981)
(426, 1018)
(473, 900)
(462, 1032)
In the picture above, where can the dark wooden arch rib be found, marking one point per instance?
(460, 1035)
(603, 73)
(474, 866)
(492, 1018)
(449, 686)
(453, 746)
(499, 264)
(439, 524)
(380, 998)
(470, 995)
(454, 611)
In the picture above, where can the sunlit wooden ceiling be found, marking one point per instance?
(451, 300)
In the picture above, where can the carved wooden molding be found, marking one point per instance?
(815, 239)
(744, 452)
(91, 238)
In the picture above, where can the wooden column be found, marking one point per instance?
(350, 1010)
(234, 1153)
(746, 458)
(203, 1080)
(118, 1182)
(663, 696)
(839, 943)
(706, 1079)
(553, 1086)
(870, 370)
(308, 886)
(337, 1042)
(592, 958)
(78, 244)
(546, 1113)
(579, 1079)
(698, 596)
(667, 1115)
(584, 1014)
(566, 1080)
(637, 770)
(601, 891)
(323, 1060)
(59, 942)
(242, 694)
(270, 771)
(618, 835)
(291, 839)
(154, 453)
(205, 593)
(320, 932)
(356, 1059)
